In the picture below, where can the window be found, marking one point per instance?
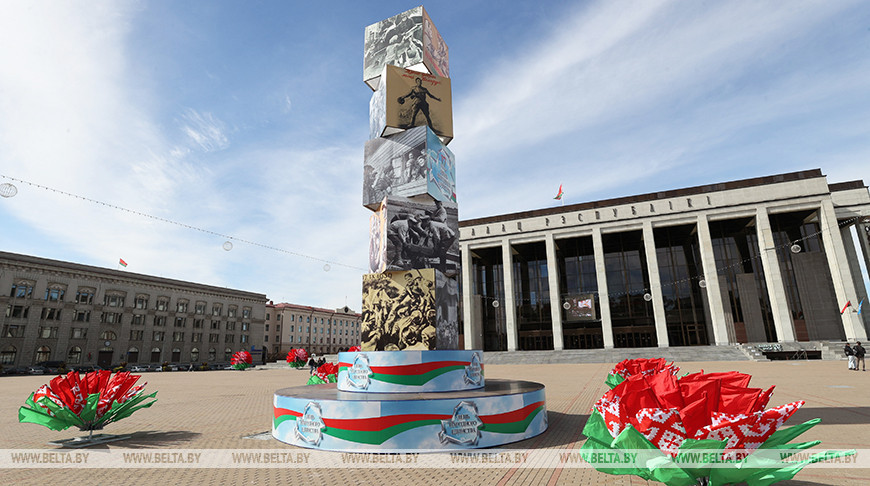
(136, 334)
(43, 353)
(74, 356)
(7, 356)
(181, 306)
(17, 311)
(12, 330)
(244, 338)
(194, 354)
(246, 313)
(22, 290)
(110, 317)
(215, 324)
(133, 355)
(200, 308)
(300, 339)
(159, 321)
(197, 323)
(85, 296)
(48, 332)
(82, 316)
(245, 326)
(162, 303)
(265, 339)
(78, 333)
(108, 336)
(157, 336)
(49, 314)
(279, 317)
(216, 309)
(231, 325)
(138, 320)
(113, 300)
(180, 321)
(229, 338)
(212, 354)
(196, 337)
(267, 327)
(228, 354)
(141, 301)
(177, 337)
(231, 312)
(267, 316)
(155, 355)
(214, 338)
(54, 294)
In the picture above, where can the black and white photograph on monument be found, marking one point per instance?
(395, 166)
(397, 40)
(447, 315)
(378, 241)
(398, 311)
(378, 114)
(421, 234)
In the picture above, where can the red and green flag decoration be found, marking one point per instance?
(559, 194)
(296, 358)
(848, 304)
(639, 366)
(122, 262)
(670, 419)
(242, 360)
(88, 402)
(325, 373)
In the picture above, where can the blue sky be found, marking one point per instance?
(248, 119)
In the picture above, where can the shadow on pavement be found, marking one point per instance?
(155, 438)
(841, 416)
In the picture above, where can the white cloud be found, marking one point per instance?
(204, 129)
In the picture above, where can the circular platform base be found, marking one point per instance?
(323, 417)
(410, 371)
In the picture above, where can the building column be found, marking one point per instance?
(711, 277)
(863, 230)
(555, 292)
(844, 288)
(510, 307)
(603, 295)
(471, 330)
(655, 282)
(782, 319)
(855, 271)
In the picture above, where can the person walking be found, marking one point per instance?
(853, 363)
(859, 356)
(312, 364)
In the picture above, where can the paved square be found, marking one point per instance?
(218, 409)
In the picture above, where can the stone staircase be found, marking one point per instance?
(831, 350)
(681, 353)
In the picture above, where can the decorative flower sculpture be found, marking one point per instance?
(670, 418)
(325, 373)
(242, 360)
(88, 402)
(639, 366)
(354, 349)
(297, 357)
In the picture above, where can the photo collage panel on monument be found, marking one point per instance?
(398, 311)
(409, 233)
(408, 40)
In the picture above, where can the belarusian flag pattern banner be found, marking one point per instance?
(122, 262)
